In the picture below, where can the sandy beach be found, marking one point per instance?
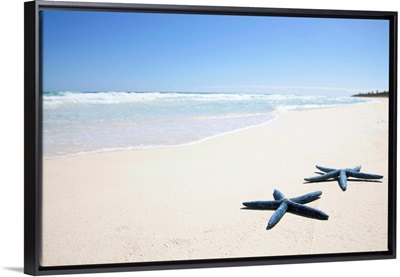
(185, 202)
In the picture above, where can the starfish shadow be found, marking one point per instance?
(349, 179)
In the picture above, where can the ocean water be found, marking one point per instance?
(77, 123)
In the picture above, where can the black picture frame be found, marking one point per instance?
(33, 137)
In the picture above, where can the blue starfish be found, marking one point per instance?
(282, 204)
(342, 174)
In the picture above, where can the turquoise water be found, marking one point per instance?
(87, 122)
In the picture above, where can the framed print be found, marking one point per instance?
(171, 136)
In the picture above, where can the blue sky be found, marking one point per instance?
(104, 51)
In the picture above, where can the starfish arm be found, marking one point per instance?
(306, 198)
(278, 195)
(343, 180)
(324, 177)
(306, 211)
(262, 205)
(278, 214)
(325, 169)
(357, 169)
(363, 175)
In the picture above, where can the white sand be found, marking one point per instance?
(185, 202)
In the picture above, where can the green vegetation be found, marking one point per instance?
(372, 94)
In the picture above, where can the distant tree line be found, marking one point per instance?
(372, 94)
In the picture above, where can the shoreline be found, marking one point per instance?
(116, 150)
(185, 202)
(276, 114)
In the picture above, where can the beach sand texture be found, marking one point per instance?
(184, 202)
